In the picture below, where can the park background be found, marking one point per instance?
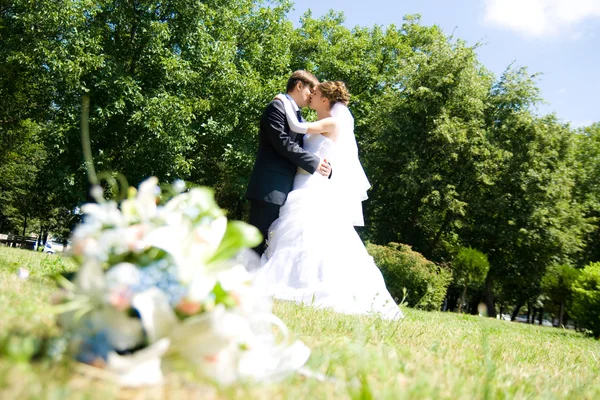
(481, 192)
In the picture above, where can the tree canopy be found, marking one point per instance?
(457, 156)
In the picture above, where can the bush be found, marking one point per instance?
(425, 282)
(470, 267)
(585, 307)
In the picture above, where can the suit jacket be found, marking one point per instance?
(279, 154)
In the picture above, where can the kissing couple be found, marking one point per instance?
(306, 192)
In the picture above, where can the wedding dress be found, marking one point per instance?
(314, 255)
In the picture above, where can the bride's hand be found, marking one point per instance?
(324, 168)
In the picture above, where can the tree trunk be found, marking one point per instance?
(561, 313)
(462, 299)
(38, 242)
(489, 296)
(24, 226)
(452, 302)
(528, 313)
(438, 235)
(515, 313)
(541, 316)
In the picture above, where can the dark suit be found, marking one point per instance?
(279, 154)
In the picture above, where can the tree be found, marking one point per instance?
(469, 269)
(527, 219)
(428, 129)
(585, 307)
(557, 284)
(587, 187)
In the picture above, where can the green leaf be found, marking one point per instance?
(239, 235)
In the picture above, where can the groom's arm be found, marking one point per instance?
(283, 143)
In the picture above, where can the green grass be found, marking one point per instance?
(430, 355)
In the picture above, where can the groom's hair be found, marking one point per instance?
(301, 76)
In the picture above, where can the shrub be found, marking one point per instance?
(470, 267)
(425, 282)
(585, 306)
(557, 284)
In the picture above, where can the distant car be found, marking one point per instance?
(521, 318)
(51, 247)
(48, 248)
(545, 322)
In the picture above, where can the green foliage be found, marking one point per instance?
(587, 187)
(558, 282)
(470, 267)
(402, 268)
(456, 156)
(527, 218)
(586, 298)
(429, 130)
(557, 286)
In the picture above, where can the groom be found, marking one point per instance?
(279, 153)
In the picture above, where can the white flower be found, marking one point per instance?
(207, 237)
(201, 337)
(112, 241)
(90, 280)
(231, 340)
(250, 354)
(193, 203)
(146, 198)
(200, 286)
(143, 206)
(269, 363)
(234, 277)
(190, 249)
(134, 237)
(155, 312)
(107, 214)
(140, 368)
(122, 274)
(123, 332)
(120, 283)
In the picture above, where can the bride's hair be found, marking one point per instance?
(334, 91)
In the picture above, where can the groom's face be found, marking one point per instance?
(305, 92)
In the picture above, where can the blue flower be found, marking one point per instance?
(94, 346)
(162, 274)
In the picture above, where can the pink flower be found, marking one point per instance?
(120, 298)
(188, 307)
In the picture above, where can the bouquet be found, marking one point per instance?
(170, 282)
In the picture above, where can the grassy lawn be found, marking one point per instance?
(429, 355)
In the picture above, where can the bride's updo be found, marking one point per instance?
(334, 91)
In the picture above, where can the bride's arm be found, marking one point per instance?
(323, 125)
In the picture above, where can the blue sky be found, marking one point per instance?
(559, 38)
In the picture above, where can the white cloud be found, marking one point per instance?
(562, 91)
(539, 18)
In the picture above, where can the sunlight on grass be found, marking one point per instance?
(427, 355)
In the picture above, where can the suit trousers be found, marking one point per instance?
(262, 215)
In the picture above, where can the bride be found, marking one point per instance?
(313, 254)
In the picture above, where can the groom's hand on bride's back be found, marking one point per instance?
(324, 168)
